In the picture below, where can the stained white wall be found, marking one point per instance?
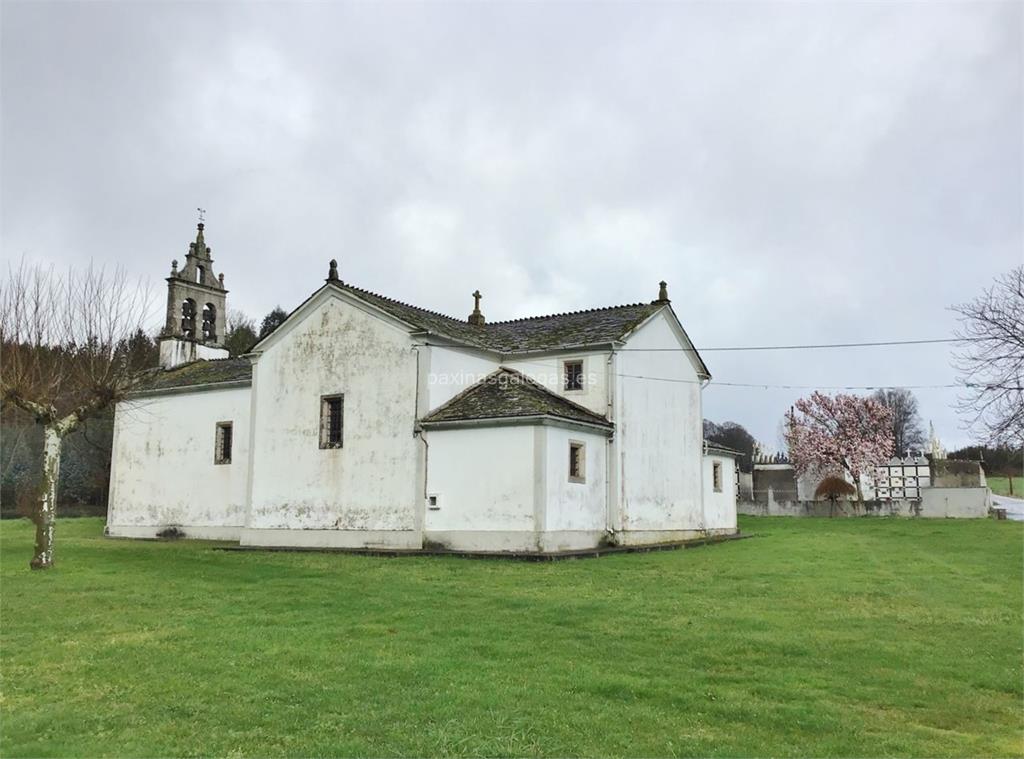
(720, 508)
(162, 471)
(549, 371)
(659, 433)
(450, 371)
(484, 479)
(371, 482)
(575, 505)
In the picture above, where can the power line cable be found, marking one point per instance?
(813, 346)
(771, 386)
(759, 385)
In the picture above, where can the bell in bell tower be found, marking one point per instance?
(196, 308)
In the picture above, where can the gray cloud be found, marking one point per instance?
(797, 172)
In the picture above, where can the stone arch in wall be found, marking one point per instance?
(210, 322)
(188, 317)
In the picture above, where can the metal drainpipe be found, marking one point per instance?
(704, 449)
(418, 431)
(426, 466)
(609, 449)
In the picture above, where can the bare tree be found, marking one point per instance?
(66, 357)
(991, 362)
(907, 429)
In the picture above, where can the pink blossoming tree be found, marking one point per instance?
(841, 434)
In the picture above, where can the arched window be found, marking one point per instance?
(188, 317)
(200, 273)
(210, 322)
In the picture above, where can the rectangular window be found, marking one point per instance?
(332, 412)
(716, 476)
(577, 461)
(573, 373)
(222, 443)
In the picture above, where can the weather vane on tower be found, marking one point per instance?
(202, 215)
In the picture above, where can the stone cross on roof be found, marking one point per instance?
(476, 317)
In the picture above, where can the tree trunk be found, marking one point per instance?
(45, 514)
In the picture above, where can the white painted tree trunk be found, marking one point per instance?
(45, 515)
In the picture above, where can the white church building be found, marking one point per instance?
(364, 422)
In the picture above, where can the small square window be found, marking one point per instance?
(332, 426)
(577, 461)
(716, 476)
(573, 374)
(222, 443)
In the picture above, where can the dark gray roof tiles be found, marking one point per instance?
(196, 373)
(722, 450)
(596, 326)
(576, 329)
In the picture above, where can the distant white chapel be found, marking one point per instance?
(364, 422)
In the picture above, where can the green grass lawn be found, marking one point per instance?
(818, 637)
(1001, 486)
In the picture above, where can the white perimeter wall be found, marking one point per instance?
(720, 508)
(162, 471)
(484, 479)
(659, 433)
(575, 505)
(371, 482)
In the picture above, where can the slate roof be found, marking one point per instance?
(723, 450)
(576, 329)
(508, 393)
(201, 372)
(595, 326)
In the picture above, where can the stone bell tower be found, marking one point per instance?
(196, 308)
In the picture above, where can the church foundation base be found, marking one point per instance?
(529, 554)
(656, 537)
(188, 531)
(370, 539)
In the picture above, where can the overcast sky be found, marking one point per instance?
(797, 172)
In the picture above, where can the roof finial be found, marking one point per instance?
(198, 248)
(332, 273)
(476, 317)
(663, 292)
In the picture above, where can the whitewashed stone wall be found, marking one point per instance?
(720, 507)
(507, 488)
(659, 438)
(367, 491)
(162, 465)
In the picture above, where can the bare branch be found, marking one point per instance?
(67, 353)
(991, 366)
